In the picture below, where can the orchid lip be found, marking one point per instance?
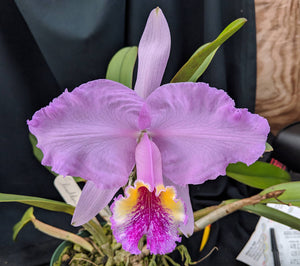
(156, 214)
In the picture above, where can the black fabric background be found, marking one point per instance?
(47, 46)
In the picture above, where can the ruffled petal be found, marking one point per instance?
(153, 53)
(90, 132)
(199, 132)
(148, 163)
(143, 212)
(92, 200)
(183, 194)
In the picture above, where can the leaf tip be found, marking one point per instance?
(268, 148)
(27, 217)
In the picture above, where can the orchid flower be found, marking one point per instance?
(176, 134)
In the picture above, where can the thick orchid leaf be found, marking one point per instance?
(121, 66)
(291, 194)
(78, 179)
(38, 153)
(28, 215)
(46, 204)
(199, 59)
(274, 214)
(50, 230)
(61, 234)
(205, 63)
(269, 148)
(259, 175)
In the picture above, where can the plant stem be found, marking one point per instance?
(164, 261)
(230, 207)
(170, 260)
(200, 213)
(96, 230)
(152, 261)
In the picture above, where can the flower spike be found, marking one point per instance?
(176, 134)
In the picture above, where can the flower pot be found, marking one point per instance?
(58, 251)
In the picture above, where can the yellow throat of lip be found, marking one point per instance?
(167, 196)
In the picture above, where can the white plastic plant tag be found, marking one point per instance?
(68, 189)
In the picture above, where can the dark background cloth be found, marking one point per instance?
(47, 46)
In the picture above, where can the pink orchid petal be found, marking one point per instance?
(183, 194)
(144, 118)
(148, 163)
(199, 132)
(92, 200)
(153, 53)
(90, 132)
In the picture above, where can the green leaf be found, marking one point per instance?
(50, 230)
(121, 66)
(28, 215)
(269, 148)
(61, 234)
(46, 204)
(205, 63)
(78, 179)
(274, 214)
(291, 195)
(259, 175)
(38, 153)
(200, 60)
